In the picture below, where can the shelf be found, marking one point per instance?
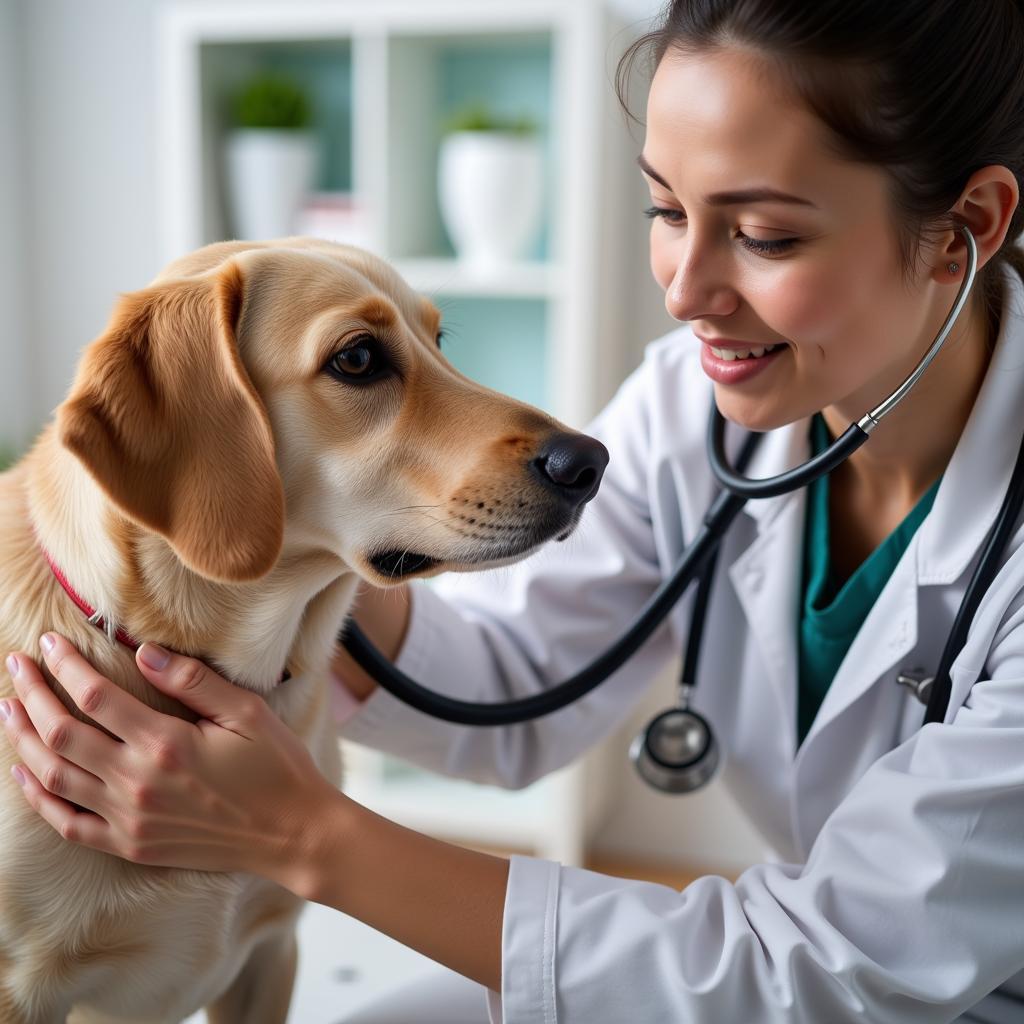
(386, 80)
(434, 78)
(528, 280)
(322, 68)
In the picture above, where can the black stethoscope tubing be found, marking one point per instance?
(699, 559)
(985, 572)
(717, 520)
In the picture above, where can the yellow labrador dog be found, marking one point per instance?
(254, 432)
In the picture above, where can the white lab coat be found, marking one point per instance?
(899, 891)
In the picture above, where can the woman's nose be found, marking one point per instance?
(699, 289)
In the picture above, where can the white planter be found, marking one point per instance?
(269, 172)
(491, 189)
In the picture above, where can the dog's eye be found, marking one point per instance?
(440, 335)
(356, 361)
(360, 362)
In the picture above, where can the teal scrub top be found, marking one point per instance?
(830, 616)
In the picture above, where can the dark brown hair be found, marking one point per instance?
(930, 90)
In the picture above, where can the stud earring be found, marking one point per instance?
(953, 267)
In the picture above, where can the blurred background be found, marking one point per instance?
(478, 144)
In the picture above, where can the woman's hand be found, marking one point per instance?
(236, 791)
(383, 615)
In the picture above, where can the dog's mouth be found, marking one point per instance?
(396, 564)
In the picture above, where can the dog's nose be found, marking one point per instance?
(572, 464)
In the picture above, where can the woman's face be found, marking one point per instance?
(762, 235)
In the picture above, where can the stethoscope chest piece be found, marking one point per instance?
(677, 752)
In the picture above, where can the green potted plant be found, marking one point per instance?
(490, 186)
(270, 156)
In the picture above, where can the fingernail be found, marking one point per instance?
(153, 656)
(19, 775)
(5, 710)
(47, 641)
(12, 665)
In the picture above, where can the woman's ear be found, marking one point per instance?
(986, 206)
(165, 418)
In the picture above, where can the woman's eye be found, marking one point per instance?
(767, 247)
(666, 214)
(359, 362)
(760, 246)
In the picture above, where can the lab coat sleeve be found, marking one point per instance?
(909, 908)
(516, 631)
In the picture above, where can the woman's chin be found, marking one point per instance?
(752, 414)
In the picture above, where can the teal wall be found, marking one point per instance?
(498, 342)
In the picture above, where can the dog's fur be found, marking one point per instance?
(208, 486)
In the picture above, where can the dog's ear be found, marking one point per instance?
(166, 419)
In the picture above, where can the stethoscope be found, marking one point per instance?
(677, 751)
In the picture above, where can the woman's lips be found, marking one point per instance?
(735, 371)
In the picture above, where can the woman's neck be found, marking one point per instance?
(912, 446)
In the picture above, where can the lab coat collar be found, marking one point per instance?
(766, 580)
(779, 450)
(975, 481)
(942, 549)
(770, 598)
(965, 507)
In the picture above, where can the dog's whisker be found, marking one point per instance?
(406, 508)
(433, 519)
(401, 561)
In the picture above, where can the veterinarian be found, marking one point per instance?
(811, 168)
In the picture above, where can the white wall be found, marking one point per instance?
(639, 10)
(90, 100)
(15, 380)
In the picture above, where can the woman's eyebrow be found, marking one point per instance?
(750, 195)
(651, 172)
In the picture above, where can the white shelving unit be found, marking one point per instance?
(388, 72)
(534, 280)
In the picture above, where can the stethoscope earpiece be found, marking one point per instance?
(677, 752)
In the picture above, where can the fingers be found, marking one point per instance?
(103, 701)
(74, 825)
(50, 771)
(198, 687)
(44, 724)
